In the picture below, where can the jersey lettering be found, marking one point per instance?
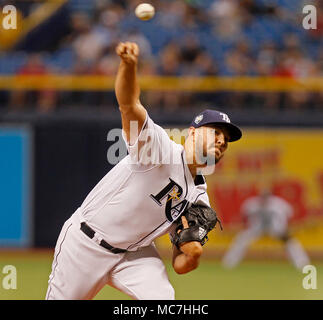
(173, 212)
(173, 191)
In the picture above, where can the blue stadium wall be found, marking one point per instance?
(49, 163)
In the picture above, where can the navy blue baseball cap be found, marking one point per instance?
(215, 117)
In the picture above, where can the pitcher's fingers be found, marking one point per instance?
(120, 48)
(127, 47)
(135, 49)
(128, 44)
(185, 223)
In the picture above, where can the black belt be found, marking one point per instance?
(90, 233)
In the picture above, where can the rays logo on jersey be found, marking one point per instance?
(174, 205)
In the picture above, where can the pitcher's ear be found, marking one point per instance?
(191, 131)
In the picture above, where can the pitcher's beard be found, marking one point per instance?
(207, 163)
(207, 158)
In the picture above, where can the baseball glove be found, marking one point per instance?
(201, 220)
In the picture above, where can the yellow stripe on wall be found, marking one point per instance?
(159, 83)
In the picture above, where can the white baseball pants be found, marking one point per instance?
(81, 268)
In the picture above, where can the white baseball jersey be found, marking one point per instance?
(138, 199)
(271, 216)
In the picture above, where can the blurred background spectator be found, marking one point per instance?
(185, 38)
(44, 100)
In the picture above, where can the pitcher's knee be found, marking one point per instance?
(165, 293)
(168, 294)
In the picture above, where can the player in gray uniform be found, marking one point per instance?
(109, 239)
(266, 214)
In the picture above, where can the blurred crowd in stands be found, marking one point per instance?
(185, 38)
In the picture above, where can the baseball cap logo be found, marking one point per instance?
(225, 117)
(198, 119)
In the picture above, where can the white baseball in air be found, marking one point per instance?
(145, 11)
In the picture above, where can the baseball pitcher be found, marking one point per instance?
(158, 188)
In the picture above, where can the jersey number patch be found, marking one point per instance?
(173, 192)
